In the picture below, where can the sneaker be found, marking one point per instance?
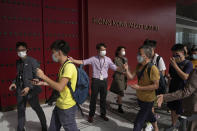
(149, 127)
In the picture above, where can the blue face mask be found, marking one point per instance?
(140, 59)
(54, 58)
(194, 56)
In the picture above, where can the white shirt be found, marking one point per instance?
(161, 65)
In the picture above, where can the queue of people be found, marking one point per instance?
(151, 87)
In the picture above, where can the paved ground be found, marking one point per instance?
(118, 122)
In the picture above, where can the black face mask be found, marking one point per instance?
(176, 56)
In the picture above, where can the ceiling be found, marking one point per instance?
(187, 8)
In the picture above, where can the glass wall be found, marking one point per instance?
(186, 35)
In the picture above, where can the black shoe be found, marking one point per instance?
(104, 118)
(44, 129)
(90, 119)
(120, 110)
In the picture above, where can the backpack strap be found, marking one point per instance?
(157, 60)
(149, 68)
(140, 74)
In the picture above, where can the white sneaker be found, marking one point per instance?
(149, 127)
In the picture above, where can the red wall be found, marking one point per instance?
(38, 23)
(161, 13)
(41, 22)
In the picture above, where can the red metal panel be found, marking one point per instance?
(19, 21)
(29, 21)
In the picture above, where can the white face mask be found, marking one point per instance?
(194, 56)
(103, 53)
(123, 53)
(54, 58)
(22, 54)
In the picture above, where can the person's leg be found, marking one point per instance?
(155, 126)
(183, 123)
(143, 114)
(21, 107)
(193, 126)
(103, 96)
(34, 103)
(175, 108)
(55, 124)
(151, 118)
(67, 118)
(119, 101)
(94, 95)
(174, 117)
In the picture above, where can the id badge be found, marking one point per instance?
(101, 77)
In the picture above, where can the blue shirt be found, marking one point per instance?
(177, 82)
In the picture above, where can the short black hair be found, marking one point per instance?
(118, 50)
(18, 44)
(99, 45)
(61, 45)
(151, 43)
(178, 47)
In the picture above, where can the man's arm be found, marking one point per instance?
(79, 62)
(84, 62)
(153, 86)
(154, 77)
(34, 65)
(183, 75)
(120, 68)
(162, 66)
(188, 90)
(59, 86)
(128, 73)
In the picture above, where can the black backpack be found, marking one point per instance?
(162, 81)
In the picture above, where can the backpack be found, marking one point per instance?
(162, 81)
(81, 91)
(82, 87)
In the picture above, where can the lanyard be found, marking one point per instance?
(101, 66)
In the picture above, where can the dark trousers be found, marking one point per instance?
(65, 118)
(21, 107)
(98, 86)
(145, 114)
